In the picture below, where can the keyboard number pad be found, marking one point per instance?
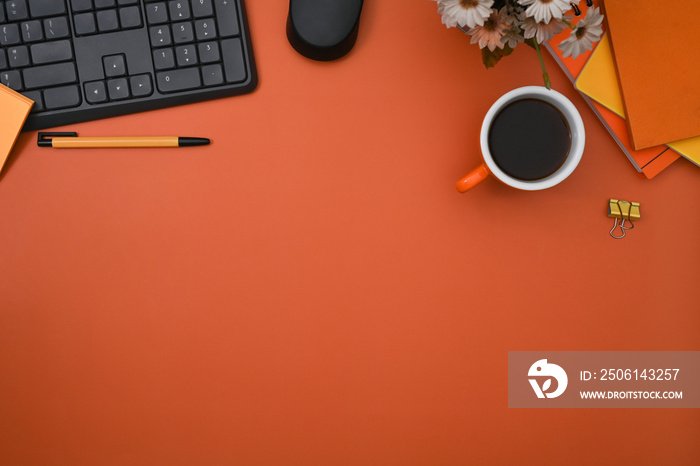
(195, 43)
(36, 53)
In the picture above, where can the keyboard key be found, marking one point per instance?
(17, 10)
(95, 92)
(227, 18)
(234, 62)
(51, 52)
(114, 65)
(3, 60)
(178, 80)
(62, 97)
(107, 20)
(212, 75)
(38, 101)
(157, 13)
(11, 79)
(179, 10)
(9, 34)
(183, 32)
(43, 8)
(49, 75)
(31, 31)
(202, 8)
(208, 52)
(160, 36)
(81, 5)
(141, 85)
(56, 28)
(205, 29)
(130, 17)
(18, 56)
(164, 59)
(128, 2)
(186, 55)
(118, 89)
(105, 3)
(84, 24)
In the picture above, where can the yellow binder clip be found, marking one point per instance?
(623, 212)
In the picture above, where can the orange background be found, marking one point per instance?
(311, 289)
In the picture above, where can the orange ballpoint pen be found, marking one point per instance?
(72, 141)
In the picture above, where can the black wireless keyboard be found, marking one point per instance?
(82, 60)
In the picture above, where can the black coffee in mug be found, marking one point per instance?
(529, 139)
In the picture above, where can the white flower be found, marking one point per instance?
(544, 10)
(490, 33)
(543, 32)
(588, 31)
(470, 13)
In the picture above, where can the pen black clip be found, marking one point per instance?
(44, 138)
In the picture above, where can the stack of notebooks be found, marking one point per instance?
(641, 81)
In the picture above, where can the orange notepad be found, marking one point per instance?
(15, 108)
(658, 64)
(598, 79)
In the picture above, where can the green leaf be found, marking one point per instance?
(491, 58)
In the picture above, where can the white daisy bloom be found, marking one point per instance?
(544, 10)
(469, 13)
(588, 31)
(543, 32)
(492, 31)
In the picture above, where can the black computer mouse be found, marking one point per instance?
(323, 29)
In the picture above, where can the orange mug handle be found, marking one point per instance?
(474, 177)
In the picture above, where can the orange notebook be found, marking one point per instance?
(15, 108)
(658, 65)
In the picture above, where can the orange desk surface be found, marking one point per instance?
(310, 289)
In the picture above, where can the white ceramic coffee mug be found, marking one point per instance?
(489, 166)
